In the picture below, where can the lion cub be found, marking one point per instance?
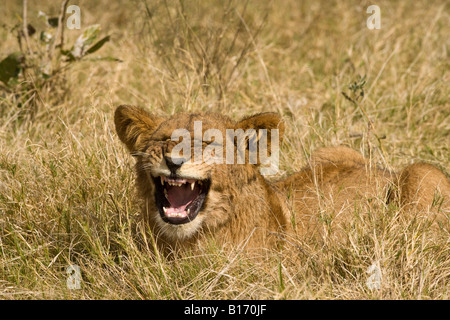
(215, 188)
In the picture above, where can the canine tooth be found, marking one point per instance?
(162, 180)
(192, 186)
(164, 209)
(188, 211)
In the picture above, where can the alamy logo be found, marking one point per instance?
(74, 279)
(74, 21)
(252, 141)
(374, 21)
(374, 281)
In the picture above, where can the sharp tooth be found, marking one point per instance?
(192, 185)
(165, 193)
(164, 209)
(188, 211)
(162, 180)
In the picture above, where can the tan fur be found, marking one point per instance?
(243, 207)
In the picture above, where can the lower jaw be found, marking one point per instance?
(180, 234)
(176, 221)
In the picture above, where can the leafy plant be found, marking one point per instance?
(42, 59)
(356, 90)
(356, 97)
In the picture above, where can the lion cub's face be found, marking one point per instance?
(183, 167)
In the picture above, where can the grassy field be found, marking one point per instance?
(67, 192)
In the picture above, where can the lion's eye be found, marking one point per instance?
(210, 141)
(160, 136)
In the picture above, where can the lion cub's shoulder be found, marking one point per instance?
(340, 155)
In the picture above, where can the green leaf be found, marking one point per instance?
(31, 30)
(86, 39)
(68, 54)
(98, 45)
(45, 37)
(10, 67)
(90, 34)
(108, 58)
(53, 22)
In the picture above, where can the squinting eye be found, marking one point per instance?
(211, 143)
(215, 144)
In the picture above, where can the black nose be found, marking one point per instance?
(174, 163)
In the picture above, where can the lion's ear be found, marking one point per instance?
(269, 130)
(267, 120)
(134, 125)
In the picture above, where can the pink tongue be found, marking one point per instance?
(180, 197)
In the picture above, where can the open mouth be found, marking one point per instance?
(180, 200)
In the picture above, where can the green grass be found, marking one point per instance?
(67, 184)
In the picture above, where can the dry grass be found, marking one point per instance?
(66, 183)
